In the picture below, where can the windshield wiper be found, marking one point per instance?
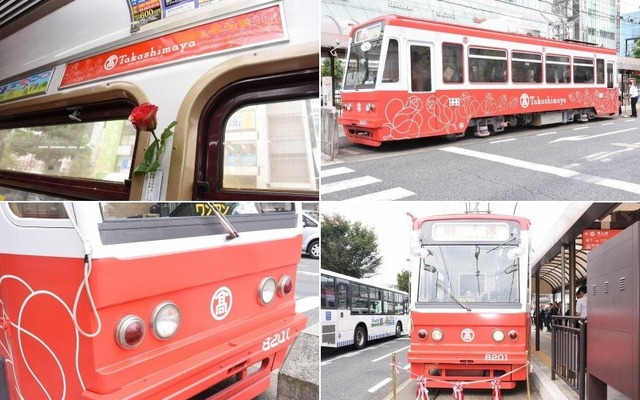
(502, 244)
(448, 293)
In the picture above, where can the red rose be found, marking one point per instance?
(143, 117)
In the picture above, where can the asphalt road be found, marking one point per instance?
(588, 161)
(367, 375)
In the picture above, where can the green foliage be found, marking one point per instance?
(349, 248)
(154, 152)
(403, 278)
(325, 69)
(636, 50)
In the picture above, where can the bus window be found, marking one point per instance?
(391, 71)
(420, 68)
(327, 292)
(452, 62)
(261, 139)
(359, 299)
(341, 290)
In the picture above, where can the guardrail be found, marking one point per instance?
(569, 351)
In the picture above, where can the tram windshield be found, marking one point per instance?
(363, 64)
(470, 273)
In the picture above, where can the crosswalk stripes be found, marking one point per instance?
(396, 193)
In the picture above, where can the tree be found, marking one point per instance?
(348, 248)
(403, 278)
(636, 49)
(325, 70)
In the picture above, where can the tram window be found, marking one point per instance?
(582, 70)
(39, 210)
(391, 71)
(452, 66)
(420, 68)
(526, 67)
(600, 71)
(82, 151)
(487, 65)
(262, 139)
(609, 75)
(557, 69)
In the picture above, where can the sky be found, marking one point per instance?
(392, 226)
(627, 6)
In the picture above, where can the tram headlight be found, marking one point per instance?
(267, 290)
(422, 334)
(129, 332)
(498, 335)
(437, 335)
(370, 107)
(165, 320)
(346, 106)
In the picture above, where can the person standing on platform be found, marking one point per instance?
(581, 302)
(633, 95)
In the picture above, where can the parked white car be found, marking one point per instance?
(310, 236)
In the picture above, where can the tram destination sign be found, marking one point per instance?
(470, 231)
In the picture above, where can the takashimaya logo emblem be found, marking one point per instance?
(467, 334)
(221, 303)
(524, 100)
(111, 62)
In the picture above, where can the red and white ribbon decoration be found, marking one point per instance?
(423, 393)
(457, 391)
(495, 387)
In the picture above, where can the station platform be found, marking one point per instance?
(541, 387)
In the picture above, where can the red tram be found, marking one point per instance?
(408, 78)
(145, 301)
(470, 301)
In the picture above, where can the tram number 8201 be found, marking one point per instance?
(496, 357)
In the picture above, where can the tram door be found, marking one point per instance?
(421, 82)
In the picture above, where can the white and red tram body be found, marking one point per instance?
(408, 78)
(470, 300)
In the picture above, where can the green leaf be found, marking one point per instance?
(144, 167)
(167, 131)
(150, 153)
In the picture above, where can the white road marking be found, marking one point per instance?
(502, 140)
(324, 173)
(307, 303)
(580, 128)
(379, 385)
(547, 133)
(586, 137)
(389, 194)
(348, 184)
(562, 172)
(389, 354)
(565, 173)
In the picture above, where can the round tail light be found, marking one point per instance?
(285, 286)
(267, 290)
(165, 320)
(129, 332)
(513, 335)
(422, 334)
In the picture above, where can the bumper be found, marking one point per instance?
(197, 374)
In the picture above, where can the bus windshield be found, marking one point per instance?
(363, 64)
(470, 273)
